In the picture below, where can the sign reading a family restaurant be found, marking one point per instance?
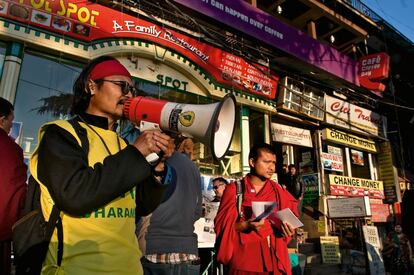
(349, 116)
(349, 140)
(88, 21)
(355, 187)
(291, 135)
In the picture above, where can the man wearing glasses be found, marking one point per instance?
(219, 184)
(98, 191)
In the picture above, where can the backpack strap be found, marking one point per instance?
(55, 219)
(239, 196)
(82, 134)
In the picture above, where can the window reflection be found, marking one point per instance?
(2, 57)
(43, 94)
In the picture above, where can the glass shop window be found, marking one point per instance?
(2, 57)
(44, 93)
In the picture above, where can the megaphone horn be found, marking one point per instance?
(212, 124)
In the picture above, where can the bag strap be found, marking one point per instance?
(55, 219)
(81, 132)
(239, 197)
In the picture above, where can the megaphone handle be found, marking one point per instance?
(153, 158)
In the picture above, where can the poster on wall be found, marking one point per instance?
(332, 162)
(357, 157)
(88, 21)
(334, 150)
(311, 194)
(205, 226)
(330, 250)
(373, 245)
(380, 211)
(207, 188)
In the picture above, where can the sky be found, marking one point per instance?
(398, 13)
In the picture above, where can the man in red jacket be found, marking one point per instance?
(12, 184)
(248, 246)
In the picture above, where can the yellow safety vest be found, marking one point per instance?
(104, 241)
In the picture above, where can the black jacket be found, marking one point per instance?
(79, 189)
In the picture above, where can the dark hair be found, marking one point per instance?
(220, 179)
(257, 148)
(291, 165)
(81, 92)
(5, 107)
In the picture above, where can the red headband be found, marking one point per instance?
(108, 68)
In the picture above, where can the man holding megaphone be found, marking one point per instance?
(100, 186)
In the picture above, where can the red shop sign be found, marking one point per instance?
(87, 21)
(372, 69)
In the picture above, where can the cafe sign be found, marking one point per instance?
(349, 116)
(349, 140)
(372, 69)
(355, 187)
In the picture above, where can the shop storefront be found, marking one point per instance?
(44, 45)
(357, 175)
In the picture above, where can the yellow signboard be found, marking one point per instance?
(388, 173)
(349, 140)
(330, 250)
(321, 226)
(355, 187)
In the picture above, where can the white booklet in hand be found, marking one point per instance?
(286, 215)
(268, 209)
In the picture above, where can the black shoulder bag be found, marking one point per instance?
(32, 233)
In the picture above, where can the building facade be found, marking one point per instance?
(296, 87)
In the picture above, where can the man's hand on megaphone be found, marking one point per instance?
(152, 141)
(166, 154)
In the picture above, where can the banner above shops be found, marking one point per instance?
(352, 117)
(349, 140)
(87, 21)
(355, 187)
(291, 135)
(242, 16)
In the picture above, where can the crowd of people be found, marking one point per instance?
(122, 215)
